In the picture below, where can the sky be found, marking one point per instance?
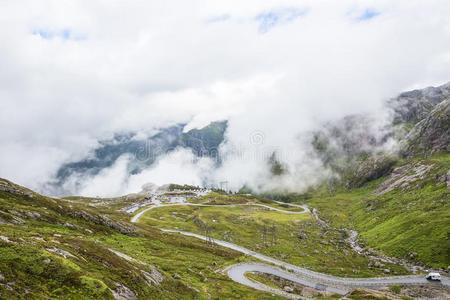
(73, 73)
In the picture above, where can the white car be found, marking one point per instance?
(433, 276)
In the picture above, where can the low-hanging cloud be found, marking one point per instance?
(178, 166)
(74, 74)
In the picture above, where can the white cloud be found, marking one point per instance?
(121, 65)
(108, 183)
(180, 166)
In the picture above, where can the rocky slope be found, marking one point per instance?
(358, 149)
(413, 106)
(432, 134)
(404, 214)
(399, 203)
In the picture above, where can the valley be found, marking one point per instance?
(372, 230)
(186, 217)
(181, 244)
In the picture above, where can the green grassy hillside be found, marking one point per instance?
(405, 214)
(58, 249)
(295, 238)
(84, 248)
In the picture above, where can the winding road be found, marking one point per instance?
(303, 276)
(321, 281)
(237, 273)
(305, 208)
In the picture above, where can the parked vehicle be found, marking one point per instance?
(433, 276)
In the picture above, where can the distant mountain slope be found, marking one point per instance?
(203, 142)
(355, 146)
(413, 106)
(399, 204)
(432, 134)
(341, 145)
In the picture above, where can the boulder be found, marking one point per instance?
(33, 215)
(302, 235)
(5, 239)
(60, 252)
(122, 292)
(154, 276)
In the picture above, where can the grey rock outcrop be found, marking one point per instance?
(404, 177)
(430, 135)
(104, 220)
(122, 292)
(9, 187)
(372, 168)
(413, 106)
(60, 252)
(154, 276)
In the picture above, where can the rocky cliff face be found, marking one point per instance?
(430, 135)
(353, 147)
(413, 106)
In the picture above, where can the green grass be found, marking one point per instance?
(190, 267)
(217, 198)
(264, 279)
(403, 221)
(323, 249)
(214, 198)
